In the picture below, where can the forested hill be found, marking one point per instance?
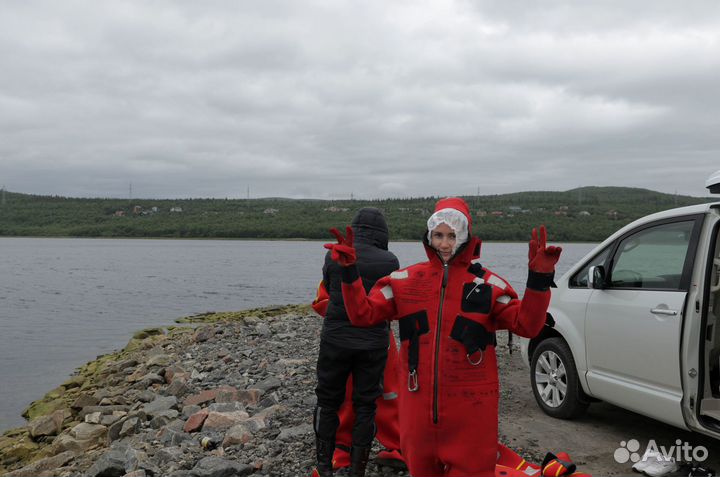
(585, 214)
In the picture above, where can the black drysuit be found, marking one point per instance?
(345, 349)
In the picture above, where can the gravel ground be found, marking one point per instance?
(247, 387)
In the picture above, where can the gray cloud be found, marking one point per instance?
(324, 99)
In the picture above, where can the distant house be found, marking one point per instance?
(612, 214)
(137, 210)
(271, 211)
(119, 213)
(561, 213)
(514, 208)
(563, 207)
(176, 210)
(155, 210)
(497, 213)
(481, 213)
(584, 213)
(329, 209)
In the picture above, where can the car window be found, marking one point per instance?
(580, 279)
(652, 258)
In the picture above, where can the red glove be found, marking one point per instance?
(542, 258)
(343, 251)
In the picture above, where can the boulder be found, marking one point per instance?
(218, 421)
(43, 465)
(196, 421)
(65, 442)
(163, 418)
(243, 432)
(47, 425)
(159, 360)
(296, 432)
(102, 409)
(171, 437)
(160, 404)
(130, 426)
(219, 467)
(203, 333)
(136, 473)
(178, 387)
(110, 464)
(169, 454)
(268, 384)
(226, 407)
(85, 431)
(94, 418)
(84, 400)
(249, 396)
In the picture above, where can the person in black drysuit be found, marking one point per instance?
(345, 349)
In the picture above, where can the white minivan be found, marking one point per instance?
(636, 323)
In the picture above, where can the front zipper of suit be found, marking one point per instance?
(437, 343)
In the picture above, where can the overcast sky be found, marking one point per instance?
(376, 98)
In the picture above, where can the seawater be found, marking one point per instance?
(63, 302)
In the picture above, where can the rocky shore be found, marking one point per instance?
(220, 395)
(226, 394)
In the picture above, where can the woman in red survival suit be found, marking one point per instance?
(448, 310)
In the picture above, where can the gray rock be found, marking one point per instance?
(110, 464)
(226, 407)
(85, 431)
(160, 404)
(219, 467)
(84, 400)
(102, 409)
(138, 460)
(42, 465)
(47, 425)
(159, 360)
(188, 411)
(291, 433)
(163, 418)
(109, 419)
(130, 426)
(114, 431)
(136, 473)
(268, 384)
(171, 437)
(203, 334)
(270, 400)
(169, 454)
(263, 329)
(148, 380)
(146, 396)
(177, 388)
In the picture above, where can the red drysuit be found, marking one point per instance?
(448, 315)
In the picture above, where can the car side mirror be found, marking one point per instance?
(596, 277)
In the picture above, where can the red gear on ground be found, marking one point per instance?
(449, 408)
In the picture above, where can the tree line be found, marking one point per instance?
(584, 214)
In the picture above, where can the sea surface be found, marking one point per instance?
(63, 302)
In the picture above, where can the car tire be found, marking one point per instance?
(555, 381)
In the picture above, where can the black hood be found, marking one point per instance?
(369, 227)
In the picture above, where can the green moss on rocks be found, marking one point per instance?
(212, 317)
(43, 407)
(147, 332)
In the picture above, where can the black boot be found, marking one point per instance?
(358, 461)
(324, 450)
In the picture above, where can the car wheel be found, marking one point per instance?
(555, 380)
